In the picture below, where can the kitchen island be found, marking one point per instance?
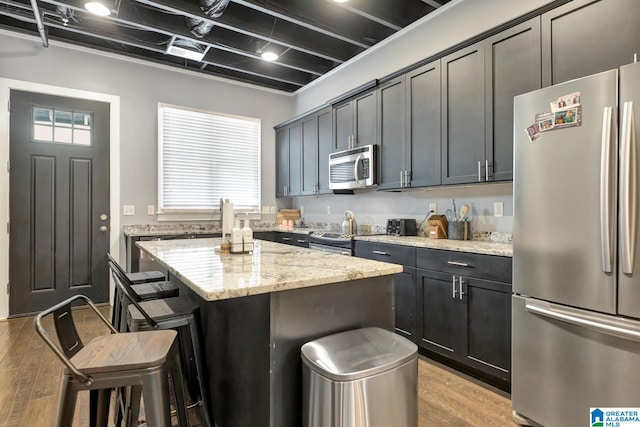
(256, 311)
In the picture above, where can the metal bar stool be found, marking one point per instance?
(170, 313)
(141, 360)
(143, 289)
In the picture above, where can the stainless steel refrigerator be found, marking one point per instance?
(576, 266)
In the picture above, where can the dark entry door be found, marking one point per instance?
(59, 200)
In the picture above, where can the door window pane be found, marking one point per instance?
(62, 126)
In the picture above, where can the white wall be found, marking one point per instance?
(139, 86)
(450, 25)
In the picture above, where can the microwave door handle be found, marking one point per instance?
(355, 169)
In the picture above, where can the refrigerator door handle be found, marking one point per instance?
(594, 321)
(628, 189)
(606, 201)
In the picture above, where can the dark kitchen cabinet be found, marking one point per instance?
(325, 146)
(355, 122)
(463, 115)
(464, 309)
(289, 160)
(512, 67)
(282, 162)
(423, 125)
(294, 239)
(393, 151)
(584, 37)
(309, 157)
(404, 283)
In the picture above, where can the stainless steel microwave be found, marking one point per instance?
(353, 168)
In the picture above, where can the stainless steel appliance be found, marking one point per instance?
(353, 168)
(401, 227)
(338, 243)
(349, 225)
(576, 303)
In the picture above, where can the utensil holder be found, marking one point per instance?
(459, 230)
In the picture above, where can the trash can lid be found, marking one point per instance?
(356, 354)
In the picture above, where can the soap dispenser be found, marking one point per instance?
(247, 236)
(236, 237)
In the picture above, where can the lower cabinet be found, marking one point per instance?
(404, 283)
(294, 239)
(462, 317)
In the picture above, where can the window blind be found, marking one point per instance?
(205, 157)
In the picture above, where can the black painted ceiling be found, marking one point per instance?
(311, 36)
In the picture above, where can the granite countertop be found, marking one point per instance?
(474, 246)
(271, 267)
(178, 229)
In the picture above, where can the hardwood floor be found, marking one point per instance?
(30, 375)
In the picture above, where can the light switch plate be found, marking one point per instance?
(128, 210)
(498, 209)
(273, 210)
(266, 210)
(151, 210)
(433, 207)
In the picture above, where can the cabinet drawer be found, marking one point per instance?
(295, 239)
(397, 254)
(488, 267)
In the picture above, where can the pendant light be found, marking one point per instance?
(97, 8)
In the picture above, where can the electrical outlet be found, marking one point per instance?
(433, 207)
(266, 210)
(273, 210)
(128, 210)
(498, 209)
(151, 210)
(329, 210)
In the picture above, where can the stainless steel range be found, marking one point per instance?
(331, 242)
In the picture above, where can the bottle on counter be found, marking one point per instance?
(236, 237)
(247, 236)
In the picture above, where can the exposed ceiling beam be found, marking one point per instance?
(432, 3)
(369, 16)
(129, 18)
(298, 21)
(142, 44)
(244, 26)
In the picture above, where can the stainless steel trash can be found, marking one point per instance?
(360, 378)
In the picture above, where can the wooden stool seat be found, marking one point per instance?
(143, 362)
(122, 352)
(146, 276)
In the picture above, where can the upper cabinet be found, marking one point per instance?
(477, 108)
(512, 67)
(423, 125)
(302, 155)
(584, 37)
(355, 122)
(393, 153)
(463, 115)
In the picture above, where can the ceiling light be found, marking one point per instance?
(340, 1)
(269, 56)
(97, 8)
(185, 53)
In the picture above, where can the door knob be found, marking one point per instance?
(103, 228)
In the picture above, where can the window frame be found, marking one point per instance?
(171, 214)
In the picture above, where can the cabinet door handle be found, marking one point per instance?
(486, 170)
(407, 179)
(401, 179)
(453, 287)
(479, 171)
(459, 264)
(380, 253)
(302, 241)
(286, 239)
(461, 291)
